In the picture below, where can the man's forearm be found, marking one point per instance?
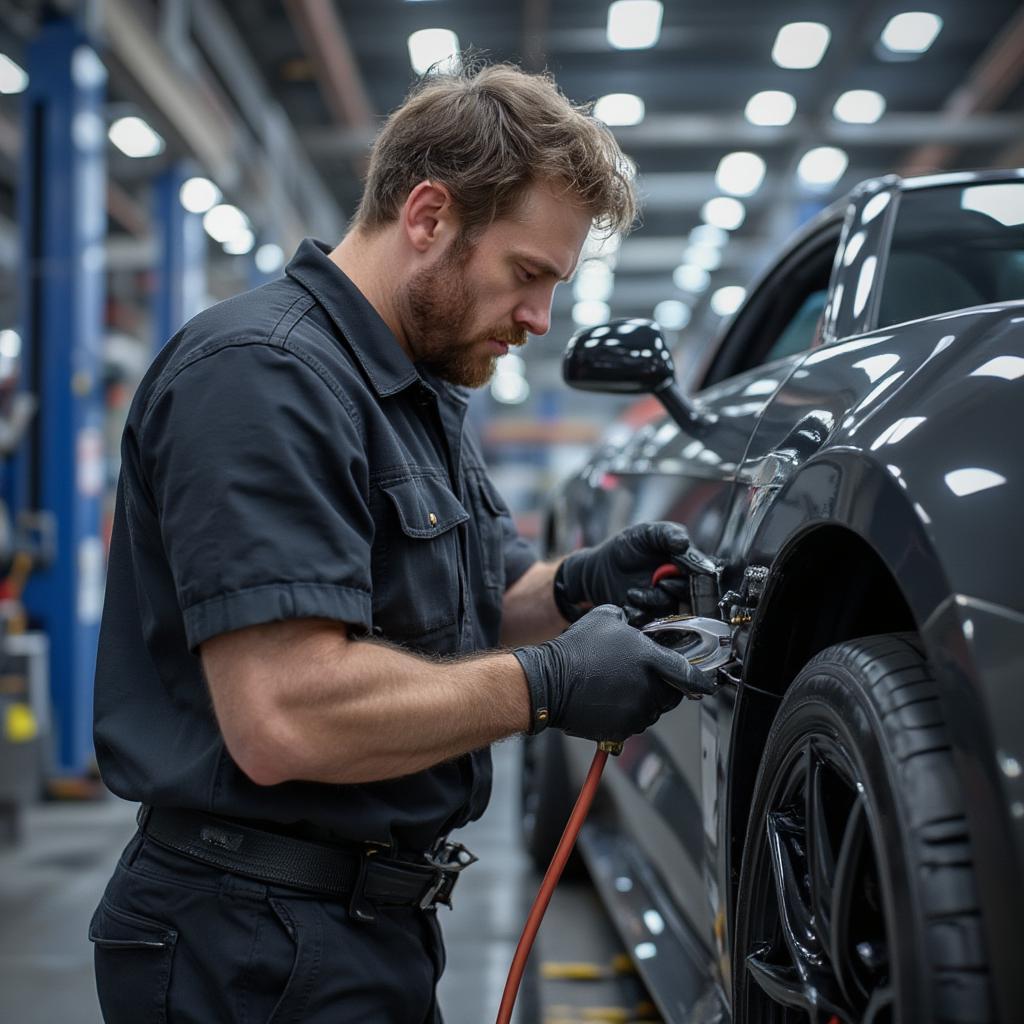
(529, 613)
(380, 712)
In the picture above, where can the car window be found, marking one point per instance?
(953, 247)
(800, 333)
(783, 315)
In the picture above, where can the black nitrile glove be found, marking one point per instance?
(602, 679)
(619, 572)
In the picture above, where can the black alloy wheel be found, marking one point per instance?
(857, 901)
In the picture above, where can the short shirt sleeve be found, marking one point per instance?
(258, 472)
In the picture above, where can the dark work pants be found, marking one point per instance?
(179, 942)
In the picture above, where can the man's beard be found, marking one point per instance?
(437, 308)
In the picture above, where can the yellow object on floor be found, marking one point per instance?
(20, 724)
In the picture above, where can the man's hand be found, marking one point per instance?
(602, 679)
(619, 572)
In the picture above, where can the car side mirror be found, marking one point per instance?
(628, 356)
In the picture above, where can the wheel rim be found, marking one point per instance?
(818, 949)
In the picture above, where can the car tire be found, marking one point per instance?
(857, 898)
(546, 800)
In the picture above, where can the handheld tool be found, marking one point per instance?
(707, 644)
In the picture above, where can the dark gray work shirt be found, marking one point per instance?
(283, 458)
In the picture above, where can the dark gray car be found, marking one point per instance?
(838, 834)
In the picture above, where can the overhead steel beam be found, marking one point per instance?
(209, 132)
(319, 27)
(674, 131)
(996, 74)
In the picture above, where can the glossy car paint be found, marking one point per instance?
(880, 433)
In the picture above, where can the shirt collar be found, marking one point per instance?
(375, 346)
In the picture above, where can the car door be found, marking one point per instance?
(666, 472)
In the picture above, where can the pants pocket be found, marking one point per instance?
(133, 956)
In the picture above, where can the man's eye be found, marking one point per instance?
(526, 275)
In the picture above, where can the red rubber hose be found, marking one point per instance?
(547, 887)
(664, 572)
(557, 865)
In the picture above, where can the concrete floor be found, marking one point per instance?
(50, 885)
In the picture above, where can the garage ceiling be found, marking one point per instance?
(964, 93)
(308, 82)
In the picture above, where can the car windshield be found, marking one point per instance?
(954, 247)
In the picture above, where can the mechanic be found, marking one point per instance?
(318, 612)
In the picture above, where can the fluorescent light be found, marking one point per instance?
(707, 257)
(240, 243)
(727, 300)
(594, 282)
(197, 195)
(822, 167)
(672, 314)
(510, 388)
(433, 46)
(859, 106)
(619, 108)
(770, 107)
(801, 44)
(969, 481)
(634, 24)
(13, 77)
(911, 32)
(224, 221)
(708, 234)
(740, 174)
(269, 258)
(10, 344)
(688, 278)
(135, 138)
(590, 313)
(724, 212)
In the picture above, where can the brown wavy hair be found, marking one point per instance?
(488, 133)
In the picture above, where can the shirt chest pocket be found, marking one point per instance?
(416, 557)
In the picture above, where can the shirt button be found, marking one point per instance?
(433, 519)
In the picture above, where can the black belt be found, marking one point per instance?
(362, 875)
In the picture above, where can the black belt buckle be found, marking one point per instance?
(449, 861)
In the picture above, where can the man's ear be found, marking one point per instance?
(428, 216)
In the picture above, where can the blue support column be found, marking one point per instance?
(63, 221)
(181, 257)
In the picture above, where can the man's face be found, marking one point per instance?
(476, 300)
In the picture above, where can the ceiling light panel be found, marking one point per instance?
(771, 107)
(135, 138)
(911, 32)
(688, 278)
(433, 46)
(620, 108)
(859, 106)
(801, 44)
(13, 78)
(740, 174)
(634, 24)
(822, 167)
(707, 257)
(672, 314)
(727, 300)
(723, 212)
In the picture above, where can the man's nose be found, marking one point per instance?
(534, 316)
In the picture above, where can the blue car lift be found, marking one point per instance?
(63, 222)
(181, 256)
